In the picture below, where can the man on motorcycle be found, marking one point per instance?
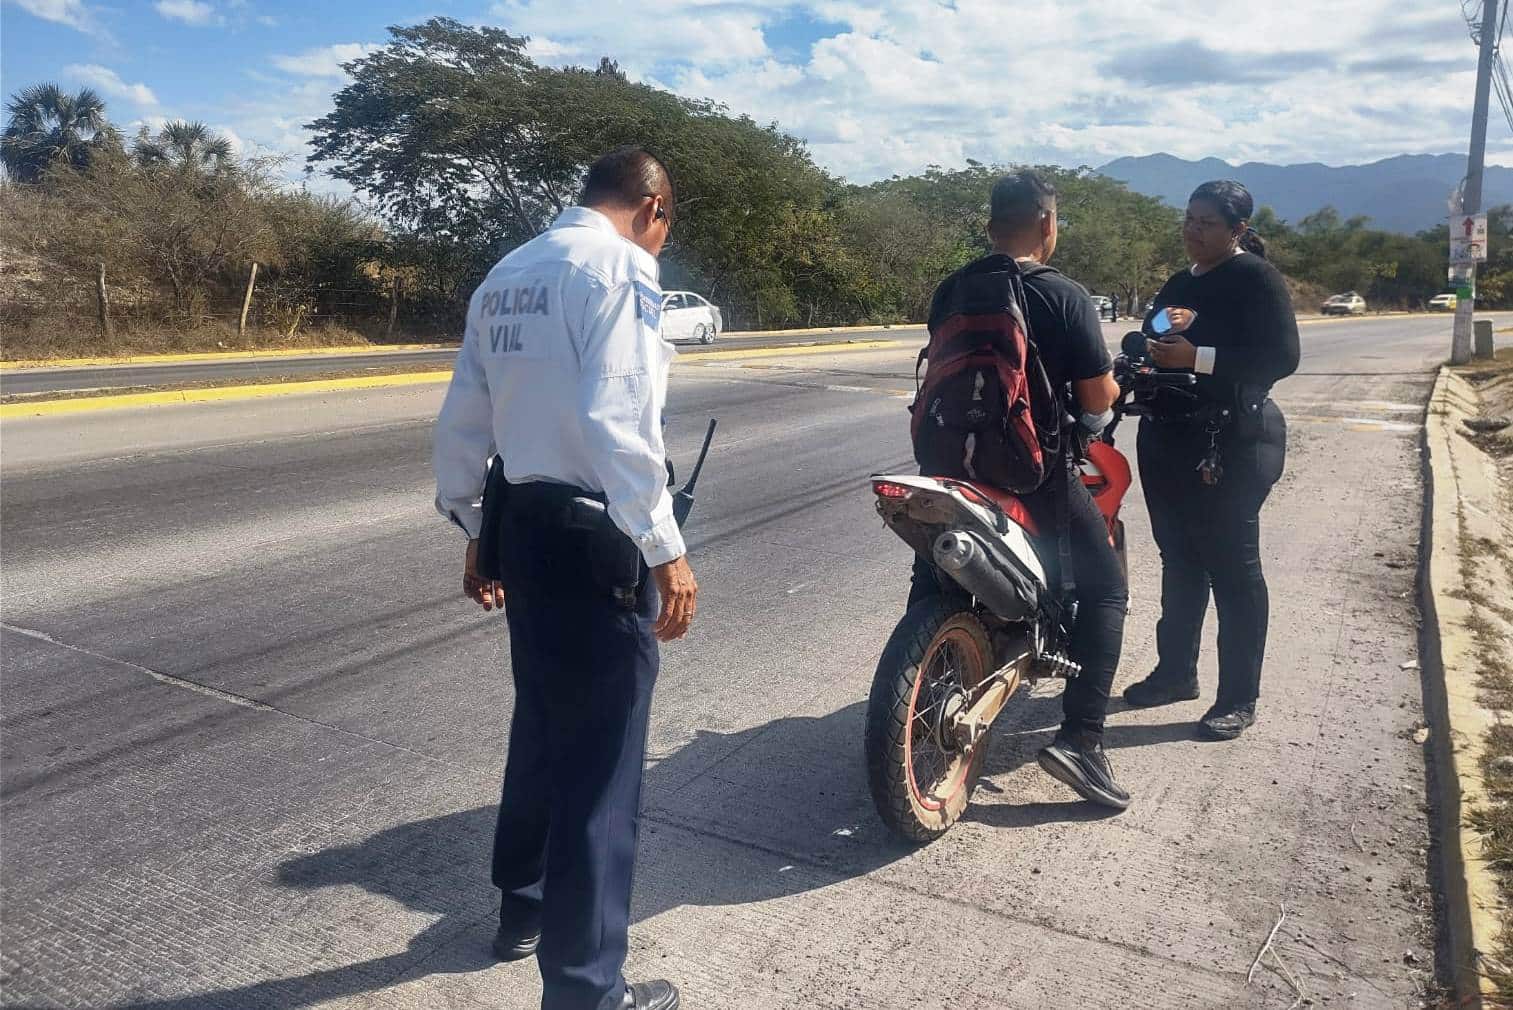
(1064, 325)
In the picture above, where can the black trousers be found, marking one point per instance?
(1101, 593)
(1209, 537)
(565, 844)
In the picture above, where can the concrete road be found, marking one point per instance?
(252, 736)
(263, 368)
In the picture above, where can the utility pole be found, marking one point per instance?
(1460, 343)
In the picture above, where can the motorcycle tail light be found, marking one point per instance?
(888, 489)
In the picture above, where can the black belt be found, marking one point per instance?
(547, 500)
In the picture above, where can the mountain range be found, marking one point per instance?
(1408, 193)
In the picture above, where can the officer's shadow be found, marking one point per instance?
(439, 866)
(791, 791)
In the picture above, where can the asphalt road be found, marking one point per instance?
(32, 381)
(252, 735)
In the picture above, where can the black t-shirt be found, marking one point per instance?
(1245, 314)
(1064, 325)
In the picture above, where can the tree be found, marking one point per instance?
(189, 147)
(457, 135)
(48, 126)
(446, 120)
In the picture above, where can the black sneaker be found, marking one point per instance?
(1080, 763)
(1158, 689)
(1227, 722)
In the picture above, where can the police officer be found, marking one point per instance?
(1208, 465)
(563, 374)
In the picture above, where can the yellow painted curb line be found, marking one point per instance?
(838, 347)
(170, 359)
(85, 404)
(820, 331)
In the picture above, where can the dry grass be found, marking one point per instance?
(47, 339)
(1491, 627)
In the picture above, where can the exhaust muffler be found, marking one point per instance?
(1009, 594)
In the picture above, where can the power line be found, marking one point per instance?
(1504, 88)
(1502, 83)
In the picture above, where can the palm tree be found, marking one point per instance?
(190, 146)
(47, 126)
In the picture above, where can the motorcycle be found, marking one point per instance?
(956, 659)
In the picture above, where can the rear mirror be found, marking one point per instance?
(1161, 323)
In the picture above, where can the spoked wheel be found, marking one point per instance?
(921, 777)
(703, 333)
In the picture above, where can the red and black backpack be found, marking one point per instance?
(985, 411)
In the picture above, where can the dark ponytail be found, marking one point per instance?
(1235, 206)
(1252, 242)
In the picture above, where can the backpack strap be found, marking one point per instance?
(1052, 442)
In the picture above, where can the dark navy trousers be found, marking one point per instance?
(565, 843)
(1210, 540)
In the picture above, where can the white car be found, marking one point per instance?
(1446, 302)
(687, 316)
(1347, 304)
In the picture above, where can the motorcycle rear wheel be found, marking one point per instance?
(920, 779)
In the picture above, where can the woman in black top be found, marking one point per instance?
(1208, 465)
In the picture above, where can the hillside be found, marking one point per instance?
(1404, 194)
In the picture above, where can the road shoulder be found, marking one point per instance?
(1470, 569)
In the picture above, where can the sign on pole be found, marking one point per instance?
(1468, 238)
(1462, 280)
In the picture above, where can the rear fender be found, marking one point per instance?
(932, 506)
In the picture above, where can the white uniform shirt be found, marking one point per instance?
(563, 372)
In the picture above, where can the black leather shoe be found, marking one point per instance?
(1228, 722)
(1079, 762)
(1160, 690)
(658, 995)
(516, 943)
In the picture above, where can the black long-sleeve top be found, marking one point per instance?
(1244, 314)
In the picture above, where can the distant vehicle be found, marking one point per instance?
(1107, 307)
(1447, 302)
(687, 316)
(1346, 304)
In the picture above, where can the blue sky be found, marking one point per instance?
(874, 88)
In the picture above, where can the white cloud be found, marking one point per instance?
(110, 84)
(325, 61)
(876, 91)
(708, 32)
(74, 13)
(191, 12)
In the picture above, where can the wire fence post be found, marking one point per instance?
(393, 307)
(241, 324)
(107, 330)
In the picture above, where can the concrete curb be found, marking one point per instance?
(87, 404)
(1458, 479)
(173, 359)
